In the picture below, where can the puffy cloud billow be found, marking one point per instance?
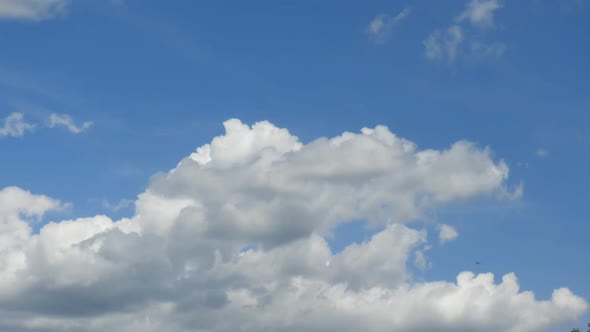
(234, 239)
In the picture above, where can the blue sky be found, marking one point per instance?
(154, 80)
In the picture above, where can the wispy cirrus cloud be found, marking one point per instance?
(15, 125)
(446, 45)
(383, 25)
(64, 120)
(118, 206)
(480, 13)
(32, 10)
(542, 152)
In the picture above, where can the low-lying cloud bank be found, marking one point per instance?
(233, 239)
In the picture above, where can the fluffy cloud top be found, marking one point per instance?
(32, 10)
(15, 203)
(233, 239)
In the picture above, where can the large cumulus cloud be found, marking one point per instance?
(234, 239)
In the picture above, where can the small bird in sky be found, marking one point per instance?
(477, 263)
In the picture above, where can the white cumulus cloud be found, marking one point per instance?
(234, 239)
(447, 233)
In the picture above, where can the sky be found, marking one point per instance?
(294, 165)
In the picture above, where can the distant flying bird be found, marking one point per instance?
(476, 263)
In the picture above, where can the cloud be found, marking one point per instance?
(67, 122)
(420, 259)
(482, 50)
(542, 153)
(15, 125)
(18, 209)
(18, 203)
(480, 13)
(444, 45)
(516, 193)
(122, 204)
(234, 238)
(32, 10)
(446, 233)
(381, 27)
